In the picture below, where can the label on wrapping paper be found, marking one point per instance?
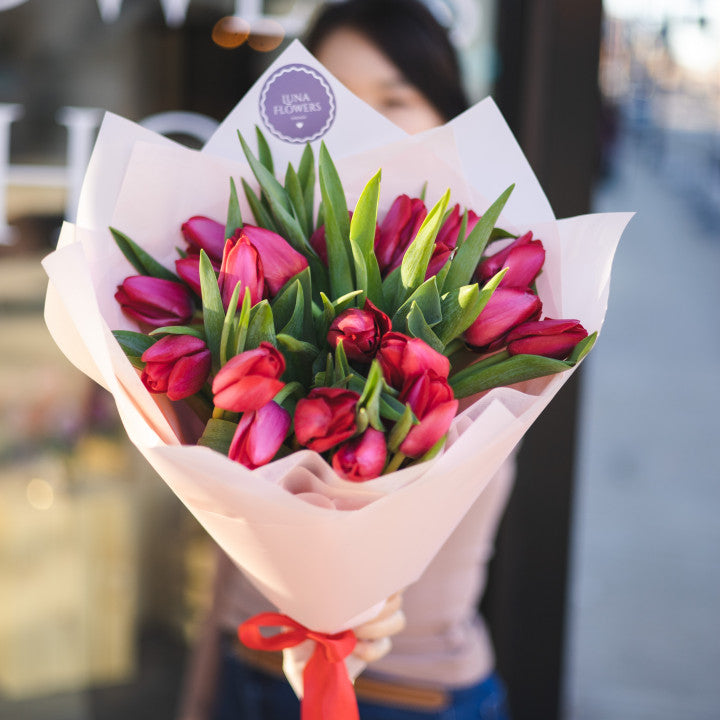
(297, 104)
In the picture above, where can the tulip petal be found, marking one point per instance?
(431, 428)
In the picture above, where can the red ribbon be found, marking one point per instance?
(328, 693)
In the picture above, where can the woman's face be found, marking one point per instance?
(364, 70)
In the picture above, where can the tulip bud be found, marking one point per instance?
(360, 331)
(241, 263)
(362, 458)
(202, 233)
(402, 357)
(280, 261)
(524, 259)
(506, 308)
(447, 238)
(433, 402)
(398, 230)
(259, 435)
(177, 365)
(188, 268)
(325, 418)
(155, 301)
(547, 337)
(249, 380)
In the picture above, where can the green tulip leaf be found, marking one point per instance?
(261, 326)
(370, 396)
(514, 369)
(467, 257)
(142, 261)
(243, 323)
(342, 368)
(401, 429)
(337, 226)
(427, 298)
(271, 188)
(362, 239)
(213, 310)
(417, 257)
(418, 327)
(306, 176)
(218, 435)
(299, 358)
(234, 216)
(228, 325)
(134, 344)
(295, 193)
(261, 215)
(264, 152)
(194, 330)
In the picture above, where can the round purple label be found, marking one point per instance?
(297, 104)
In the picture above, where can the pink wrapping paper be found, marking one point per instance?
(324, 551)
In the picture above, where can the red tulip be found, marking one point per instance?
(259, 435)
(280, 260)
(402, 357)
(524, 259)
(155, 301)
(547, 337)
(447, 237)
(362, 458)
(249, 380)
(434, 404)
(398, 230)
(241, 263)
(202, 233)
(188, 268)
(360, 331)
(325, 418)
(506, 308)
(177, 365)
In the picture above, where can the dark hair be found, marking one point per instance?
(408, 34)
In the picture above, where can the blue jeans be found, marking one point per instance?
(248, 694)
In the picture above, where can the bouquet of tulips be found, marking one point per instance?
(333, 332)
(325, 368)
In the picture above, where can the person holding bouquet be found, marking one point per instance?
(397, 57)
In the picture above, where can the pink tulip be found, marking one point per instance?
(241, 263)
(325, 418)
(402, 357)
(202, 233)
(177, 365)
(249, 380)
(433, 402)
(259, 435)
(362, 458)
(360, 331)
(547, 337)
(188, 268)
(506, 308)
(447, 238)
(280, 260)
(155, 301)
(524, 259)
(398, 230)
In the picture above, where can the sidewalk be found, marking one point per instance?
(644, 629)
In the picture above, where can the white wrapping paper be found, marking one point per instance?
(324, 551)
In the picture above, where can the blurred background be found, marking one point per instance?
(605, 592)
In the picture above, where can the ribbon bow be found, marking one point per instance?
(328, 692)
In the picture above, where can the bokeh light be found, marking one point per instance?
(231, 31)
(266, 35)
(40, 494)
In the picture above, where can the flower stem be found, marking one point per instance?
(218, 413)
(395, 462)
